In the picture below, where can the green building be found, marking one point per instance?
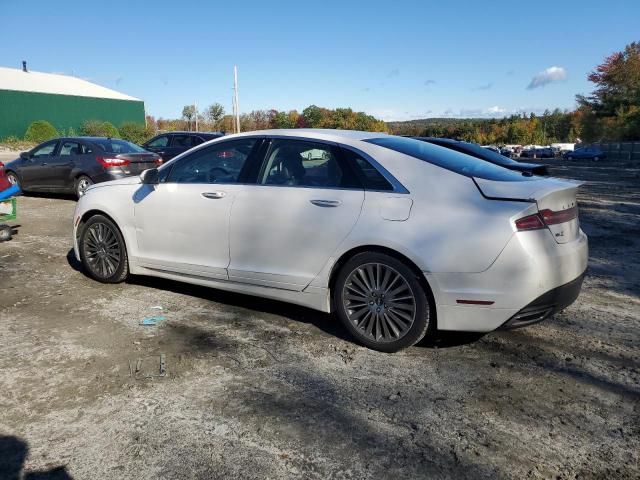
(64, 101)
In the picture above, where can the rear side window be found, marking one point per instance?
(159, 142)
(368, 175)
(118, 146)
(451, 160)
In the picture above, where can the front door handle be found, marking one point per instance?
(214, 195)
(326, 203)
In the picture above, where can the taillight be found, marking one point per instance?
(158, 161)
(546, 217)
(530, 222)
(113, 162)
(553, 218)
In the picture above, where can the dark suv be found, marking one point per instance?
(72, 164)
(170, 144)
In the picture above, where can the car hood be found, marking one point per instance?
(121, 181)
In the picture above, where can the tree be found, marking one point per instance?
(214, 113)
(189, 113)
(40, 131)
(615, 102)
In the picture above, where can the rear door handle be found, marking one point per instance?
(326, 203)
(214, 195)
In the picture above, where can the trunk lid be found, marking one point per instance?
(550, 194)
(138, 162)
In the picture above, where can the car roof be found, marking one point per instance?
(88, 138)
(202, 134)
(317, 133)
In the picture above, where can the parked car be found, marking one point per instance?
(507, 152)
(492, 148)
(586, 153)
(544, 152)
(72, 164)
(398, 237)
(171, 144)
(487, 155)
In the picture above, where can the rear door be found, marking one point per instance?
(59, 174)
(284, 229)
(34, 171)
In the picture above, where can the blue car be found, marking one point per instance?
(586, 153)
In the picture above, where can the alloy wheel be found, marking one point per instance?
(379, 302)
(102, 250)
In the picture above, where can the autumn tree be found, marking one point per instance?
(612, 110)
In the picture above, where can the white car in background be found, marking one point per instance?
(398, 237)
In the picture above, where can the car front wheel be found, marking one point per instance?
(103, 251)
(13, 179)
(381, 302)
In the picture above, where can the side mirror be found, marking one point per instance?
(25, 155)
(150, 177)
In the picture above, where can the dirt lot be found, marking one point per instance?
(261, 389)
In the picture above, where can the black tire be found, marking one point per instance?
(102, 250)
(5, 233)
(81, 184)
(391, 330)
(13, 179)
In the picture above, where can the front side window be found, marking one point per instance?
(219, 163)
(70, 148)
(45, 150)
(301, 163)
(159, 142)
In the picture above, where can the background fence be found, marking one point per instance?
(628, 151)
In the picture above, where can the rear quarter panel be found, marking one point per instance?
(451, 227)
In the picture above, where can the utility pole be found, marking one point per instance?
(235, 98)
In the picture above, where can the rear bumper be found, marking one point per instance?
(533, 271)
(546, 305)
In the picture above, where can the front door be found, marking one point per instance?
(284, 230)
(34, 170)
(182, 224)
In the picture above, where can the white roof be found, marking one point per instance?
(39, 82)
(319, 133)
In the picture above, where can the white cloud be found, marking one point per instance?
(496, 110)
(550, 75)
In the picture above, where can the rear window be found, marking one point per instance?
(119, 146)
(450, 159)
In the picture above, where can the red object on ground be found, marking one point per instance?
(4, 181)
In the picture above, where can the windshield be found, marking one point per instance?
(119, 146)
(450, 159)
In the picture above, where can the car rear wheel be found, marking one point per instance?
(82, 183)
(381, 302)
(103, 251)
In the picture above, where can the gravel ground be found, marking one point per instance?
(262, 389)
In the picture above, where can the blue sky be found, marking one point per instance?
(396, 60)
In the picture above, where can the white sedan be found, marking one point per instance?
(398, 237)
